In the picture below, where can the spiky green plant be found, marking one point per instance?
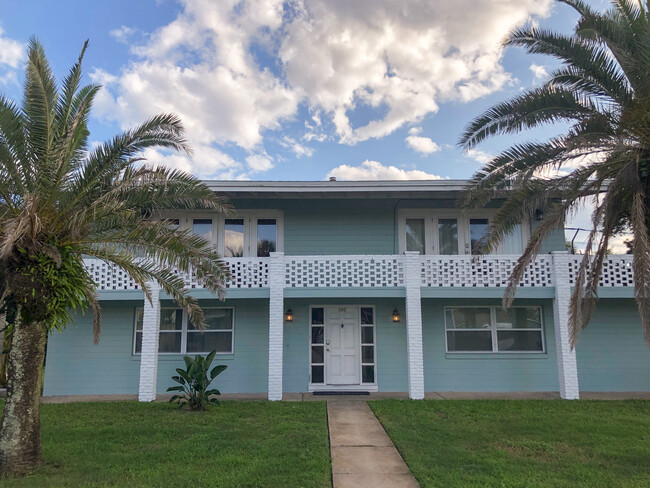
(602, 90)
(61, 200)
(194, 382)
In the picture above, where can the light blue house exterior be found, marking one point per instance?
(363, 286)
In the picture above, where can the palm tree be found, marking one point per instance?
(602, 92)
(60, 200)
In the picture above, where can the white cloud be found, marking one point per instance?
(539, 72)
(298, 149)
(235, 69)
(479, 156)
(12, 52)
(258, 163)
(122, 34)
(421, 144)
(374, 170)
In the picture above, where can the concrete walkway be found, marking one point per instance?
(363, 456)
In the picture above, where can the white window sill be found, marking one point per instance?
(496, 355)
(179, 357)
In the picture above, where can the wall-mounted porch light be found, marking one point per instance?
(288, 316)
(539, 214)
(395, 315)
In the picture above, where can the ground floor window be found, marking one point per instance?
(492, 329)
(178, 335)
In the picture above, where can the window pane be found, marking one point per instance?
(138, 342)
(317, 335)
(139, 313)
(459, 341)
(317, 354)
(219, 318)
(318, 374)
(478, 229)
(367, 335)
(367, 374)
(367, 354)
(519, 340)
(209, 341)
(171, 319)
(448, 236)
(317, 316)
(519, 318)
(512, 243)
(468, 318)
(415, 235)
(203, 228)
(173, 223)
(234, 238)
(170, 342)
(367, 316)
(266, 237)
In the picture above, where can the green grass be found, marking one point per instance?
(239, 444)
(504, 444)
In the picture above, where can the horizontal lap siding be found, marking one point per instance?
(484, 372)
(612, 355)
(76, 366)
(339, 227)
(248, 367)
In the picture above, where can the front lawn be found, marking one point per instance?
(239, 444)
(492, 443)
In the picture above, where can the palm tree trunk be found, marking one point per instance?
(20, 428)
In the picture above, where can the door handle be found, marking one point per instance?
(327, 342)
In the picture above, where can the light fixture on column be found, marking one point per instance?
(539, 214)
(395, 315)
(288, 316)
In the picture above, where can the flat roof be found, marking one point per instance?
(339, 189)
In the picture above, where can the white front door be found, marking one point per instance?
(342, 345)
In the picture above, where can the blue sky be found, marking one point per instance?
(294, 90)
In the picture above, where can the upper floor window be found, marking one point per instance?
(449, 232)
(254, 233)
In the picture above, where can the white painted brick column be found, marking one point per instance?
(414, 353)
(150, 337)
(276, 324)
(567, 366)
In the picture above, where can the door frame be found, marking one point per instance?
(353, 387)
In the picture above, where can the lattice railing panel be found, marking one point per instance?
(617, 271)
(483, 271)
(109, 277)
(244, 273)
(343, 271)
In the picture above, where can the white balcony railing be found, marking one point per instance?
(483, 271)
(383, 271)
(617, 271)
(344, 271)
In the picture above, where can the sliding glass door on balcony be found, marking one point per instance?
(450, 233)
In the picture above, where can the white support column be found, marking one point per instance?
(567, 366)
(415, 356)
(276, 324)
(150, 337)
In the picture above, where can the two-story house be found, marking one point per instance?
(364, 286)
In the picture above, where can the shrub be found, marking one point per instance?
(194, 382)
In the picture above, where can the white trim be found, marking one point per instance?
(494, 330)
(431, 216)
(361, 385)
(250, 218)
(335, 186)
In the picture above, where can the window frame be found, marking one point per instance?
(494, 330)
(184, 331)
(250, 217)
(431, 232)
